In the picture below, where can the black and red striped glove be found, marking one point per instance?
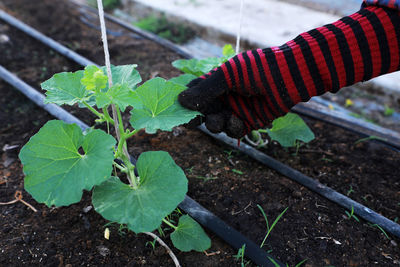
(255, 87)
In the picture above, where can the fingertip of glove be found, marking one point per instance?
(215, 122)
(235, 127)
(189, 100)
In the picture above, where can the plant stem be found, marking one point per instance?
(107, 116)
(130, 134)
(121, 168)
(95, 112)
(120, 123)
(170, 224)
(162, 243)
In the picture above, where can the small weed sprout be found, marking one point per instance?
(350, 191)
(351, 214)
(269, 228)
(240, 256)
(380, 228)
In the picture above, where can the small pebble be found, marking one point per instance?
(87, 209)
(393, 243)
(104, 251)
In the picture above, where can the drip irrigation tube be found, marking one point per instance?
(325, 191)
(194, 209)
(44, 39)
(310, 109)
(38, 98)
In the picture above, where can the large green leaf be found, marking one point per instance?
(156, 106)
(289, 128)
(162, 187)
(65, 88)
(190, 236)
(56, 172)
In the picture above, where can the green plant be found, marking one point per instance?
(108, 4)
(287, 265)
(240, 256)
(372, 137)
(198, 67)
(380, 228)
(288, 130)
(388, 111)
(351, 190)
(269, 228)
(61, 161)
(285, 130)
(237, 171)
(351, 214)
(175, 32)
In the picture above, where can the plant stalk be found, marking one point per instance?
(169, 224)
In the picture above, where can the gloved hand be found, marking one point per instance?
(225, 109)
(255, 87)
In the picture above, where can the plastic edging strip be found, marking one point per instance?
(325, 191)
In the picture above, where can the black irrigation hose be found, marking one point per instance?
(145, 34)
(194, 209)
(44, 39)
(313, 185)
(38, 98)
(388, 137)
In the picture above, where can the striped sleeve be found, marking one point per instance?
(394, 4)
(355, 48)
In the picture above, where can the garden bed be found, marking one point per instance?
(225, 182)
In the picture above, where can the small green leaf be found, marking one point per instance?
(289, 128)
(183, 79)
(197, 67)
(125, 75)
(65, 88)
(94, 78)
(125, 80)
(120, 95)
(228, 51)
(56, 172)
(190, 236)
(157, 107)
(162, 187)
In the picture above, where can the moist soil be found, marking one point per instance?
(229, 184)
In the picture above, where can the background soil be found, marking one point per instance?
(224, 181)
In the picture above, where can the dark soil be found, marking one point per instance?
(224, 181)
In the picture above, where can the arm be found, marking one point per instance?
(257, 86)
